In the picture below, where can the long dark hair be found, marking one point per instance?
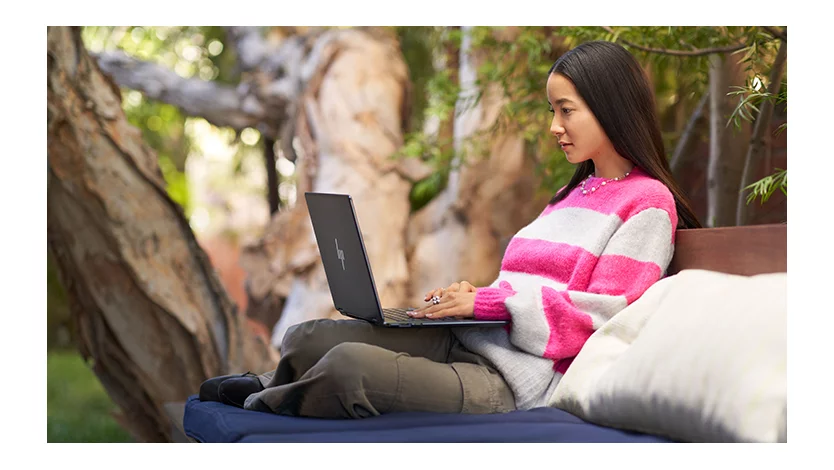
(614, 86)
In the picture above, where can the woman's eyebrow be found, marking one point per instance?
(560, 101)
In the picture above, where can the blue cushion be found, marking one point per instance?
(216, 422)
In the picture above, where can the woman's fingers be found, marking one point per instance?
(437, 310)
(461, 286)
(434, 292)
(453, 304)
(434, 297)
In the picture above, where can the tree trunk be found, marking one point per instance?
(726, 146)
(149, 310)
(349, 123)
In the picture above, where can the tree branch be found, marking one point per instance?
(675, 52)
(220, 105)
(262, 100)
(687, 134)
(271, 176)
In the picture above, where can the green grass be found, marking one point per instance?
(77, 407)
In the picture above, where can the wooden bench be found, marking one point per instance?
(746, 251)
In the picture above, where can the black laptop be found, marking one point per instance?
(348, 270)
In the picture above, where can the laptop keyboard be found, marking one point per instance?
(400, 315)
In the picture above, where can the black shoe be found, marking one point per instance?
(209, 389)
(234, 391)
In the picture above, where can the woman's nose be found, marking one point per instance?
(556, 129)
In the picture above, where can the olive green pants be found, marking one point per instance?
(352, 369)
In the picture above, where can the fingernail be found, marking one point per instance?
(429, 315)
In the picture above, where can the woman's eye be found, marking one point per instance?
(566, 111)
(551, 109)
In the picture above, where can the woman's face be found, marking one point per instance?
(580, 134)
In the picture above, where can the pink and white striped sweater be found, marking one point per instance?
(578, 263)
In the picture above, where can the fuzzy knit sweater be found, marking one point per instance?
(577, 264)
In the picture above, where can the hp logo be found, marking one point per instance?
(340, 254)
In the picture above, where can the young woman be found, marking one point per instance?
(598, 245)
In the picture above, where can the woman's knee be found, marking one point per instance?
(349, 363)
(305, 334)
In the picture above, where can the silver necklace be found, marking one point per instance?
(604, 182)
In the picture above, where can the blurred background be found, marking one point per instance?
(179, 244)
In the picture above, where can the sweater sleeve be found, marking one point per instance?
(555, 323)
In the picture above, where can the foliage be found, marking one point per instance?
(765, 187)
(416, 44)
(756, 56)
(77, 407)
(519, 67)
(439, 157)
(523, 111)
(751, 96)
(433, 95)
(518, 63)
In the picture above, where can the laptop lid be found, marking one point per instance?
(343, 255)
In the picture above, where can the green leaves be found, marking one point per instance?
(751, 96)
(427, 189)
(443, 94)
(765, 187)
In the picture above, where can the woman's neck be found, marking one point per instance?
(613, 167)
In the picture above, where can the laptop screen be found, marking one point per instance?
(343, 255)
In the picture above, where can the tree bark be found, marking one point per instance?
(725, 157)
(688, 138)
(150, 313)
(759, 142)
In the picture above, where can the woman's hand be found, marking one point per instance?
(457, 300)
(461, 286)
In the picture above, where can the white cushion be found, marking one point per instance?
(700, 357)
